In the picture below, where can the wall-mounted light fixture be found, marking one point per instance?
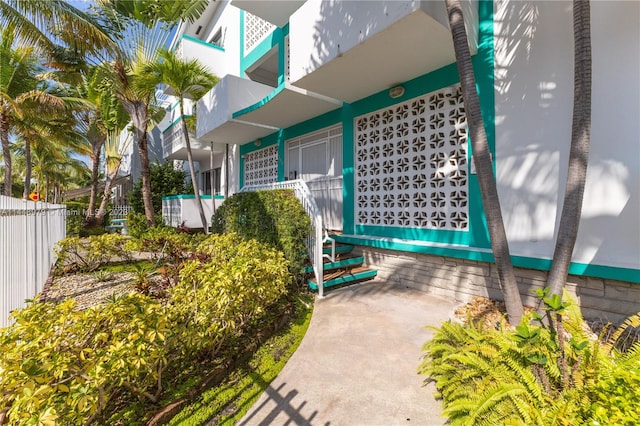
(396, 91)
(257, 142)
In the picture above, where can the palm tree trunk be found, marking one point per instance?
(579, 151)
(27, 170)
(194, 182)
(6, 153)
(139, 118)
(108, 186)
(95, 168)
(484, 168)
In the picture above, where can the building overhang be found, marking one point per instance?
(409, 41)
(286, 106)
(276, 12)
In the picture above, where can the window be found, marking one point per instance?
(206, 184)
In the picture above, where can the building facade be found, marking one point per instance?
(361, 100)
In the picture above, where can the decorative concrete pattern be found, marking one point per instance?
(261, 166)
(411, 163)
(255, 29)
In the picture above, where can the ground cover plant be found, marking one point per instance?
(548, 370)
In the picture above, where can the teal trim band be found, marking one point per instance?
(191, 196)
(171, 108)
(177, 120)
(348, 180)
(415, 234)
(260, 103)
(273, 39)
(484, 255)
(204, 43)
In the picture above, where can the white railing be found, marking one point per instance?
(318, 236)
(28, 232)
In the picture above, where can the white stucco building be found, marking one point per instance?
(361, 100)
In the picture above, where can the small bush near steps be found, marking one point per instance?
(534, 374)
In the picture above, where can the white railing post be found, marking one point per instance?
(316, 240)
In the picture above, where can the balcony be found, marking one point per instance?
(216, 122)
(210, 55)
(276, 12)
(349, 50)
(174, 147)
(299, 104)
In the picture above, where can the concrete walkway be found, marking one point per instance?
(357, 363)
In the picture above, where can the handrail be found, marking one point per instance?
(318, 236)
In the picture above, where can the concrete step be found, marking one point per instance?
(342, 262)
(344, 276)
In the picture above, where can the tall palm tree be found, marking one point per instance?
(579, 150)
(18, 69)
(484, 168)
(145, 25)
(188, 79)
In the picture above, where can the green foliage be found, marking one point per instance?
(229, 402)
(58, 363)
(88, 254)
(224, 290)
(165, 181)
(273, 217)
(75, 216)
(534, 374)
(165, 242)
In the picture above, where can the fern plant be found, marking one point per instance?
(545, 371)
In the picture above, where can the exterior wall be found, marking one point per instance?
(461, 280)
(533, 114)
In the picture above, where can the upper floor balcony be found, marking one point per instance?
(348, 50)
(209, 55)
(215, 120)
(174, 145)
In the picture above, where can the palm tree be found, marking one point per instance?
(18, 69)
(47, 24)
(484, 168)
(145, 27)
(188, 79)
(579, 151)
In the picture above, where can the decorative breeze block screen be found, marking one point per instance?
(261, 167)
(255, 29)
(411, 164)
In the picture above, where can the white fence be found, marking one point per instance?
(28, 232)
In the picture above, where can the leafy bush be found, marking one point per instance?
(88, 254)
(61, 364)
(75, 217)
(273, 217)
(165, 180)
(137, 224)
(166, 242)
(545, 375)
(224, 290)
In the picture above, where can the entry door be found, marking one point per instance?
(316, 158)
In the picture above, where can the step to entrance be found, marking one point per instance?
(342, 262)
(340, 248)
(345, 276)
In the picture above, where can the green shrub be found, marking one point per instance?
(88, 254)
(273, 217)
(75, 216)
(59, 365)
(165, 180)
(545, 375)
(222, 292)
(166, 242)
(137, 224)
